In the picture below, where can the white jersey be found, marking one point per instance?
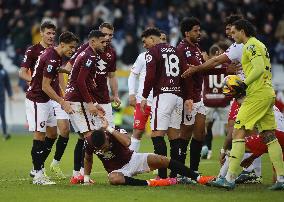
(279, 117)
(234, 53)
(139, 68)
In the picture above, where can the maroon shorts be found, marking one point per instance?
(140, 119)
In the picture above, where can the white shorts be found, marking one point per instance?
(40, 115)
(137, 164)
(109, 116)
(189, 117)
(82, 121)
(213, 113)
(166, 112)
(59, 112)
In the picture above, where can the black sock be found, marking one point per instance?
(209, 138)
(175, 153)
(184, 143)
(78, 154)
(134, 182)
(181, 169)
(83, 157)
(160, 148)
(195, 149)
(60, 147)
(37, 153)
(48, 146)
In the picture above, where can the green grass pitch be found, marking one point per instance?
(15, 183)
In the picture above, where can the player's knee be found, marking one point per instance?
(268, 136)
(116, 178)
(64, 130)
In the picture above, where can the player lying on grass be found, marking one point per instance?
(255, 145)
(121, 163)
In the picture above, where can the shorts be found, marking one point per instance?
(40, 115)
(213, 113)
(108, 115)
(140, 119)
(82, 121)
(166, 112)
(189, 117)
(59, 112)
(256, 145)
(233, 111)
(256, 113)
(138, 164)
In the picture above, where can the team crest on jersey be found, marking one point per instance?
(88, 63)
(188, 53)
(49, 68)
(149, 58)
(108, 55)
(42, 124)
(251, 48)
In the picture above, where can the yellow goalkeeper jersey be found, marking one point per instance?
(261, 88)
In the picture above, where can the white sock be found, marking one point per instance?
(257, 166)
(82, 171)
(250, 168)
(224, 168)
(38, 173)
(55, 162)
(135, 144)
(280, 178)
(76, 173)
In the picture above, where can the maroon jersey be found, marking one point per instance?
(115, 158)
(46, 66)
(212, 91)
(78, 51)
(31, 56)
(81, 85)
(193, 56)
(164, 66)
(106, 62)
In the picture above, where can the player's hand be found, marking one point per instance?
(132, 100)
(233, 68)
(240, 89)
(92, 108)
(191, 70)
(222, 158)
(101, 112)
(104, 123)
(247, 162)
(143, 106)
(116, 101)
(188, 105)
(205, 56)
(66, 106)
(88, 181)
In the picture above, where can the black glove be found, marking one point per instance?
(240, 89)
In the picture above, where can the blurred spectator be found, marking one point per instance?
(279, 51)
(130, 50)
(5, 85)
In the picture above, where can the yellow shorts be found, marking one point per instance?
(256, 113)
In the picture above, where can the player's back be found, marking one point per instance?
(49, 59)
(263, 85)
(165, 65)
(31, 56)
(86, 59)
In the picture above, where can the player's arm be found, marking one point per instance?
(24, 74)
(131, 88)
(211, 63)
(122, 138)
(114, 88)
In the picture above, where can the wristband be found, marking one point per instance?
(110, 129)
(96, 104)
(86, 178)
(222, 151)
